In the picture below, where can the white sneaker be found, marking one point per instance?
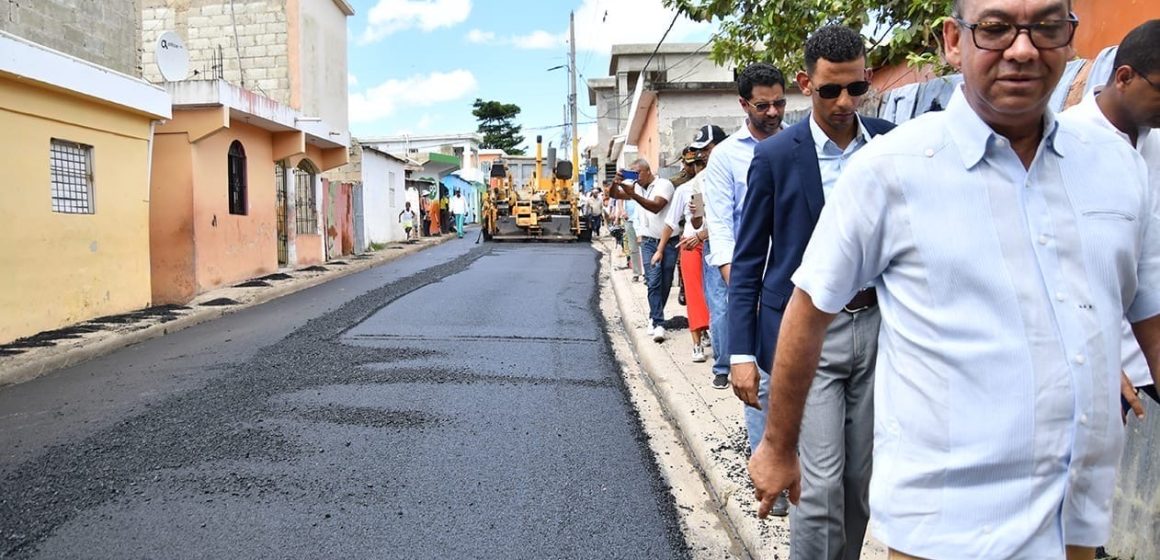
(706, 340)
(698, 354)
(659, 334)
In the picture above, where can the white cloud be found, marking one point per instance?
(479, 36)
(601, 23)
(391, 16)
(426, 90)
(351, 79)
(539, 39)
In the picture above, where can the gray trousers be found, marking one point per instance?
(837, 443)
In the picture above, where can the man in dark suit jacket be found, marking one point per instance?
(789, 179)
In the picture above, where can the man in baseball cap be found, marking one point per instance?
(708, 134)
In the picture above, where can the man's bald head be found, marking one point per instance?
(960, 6)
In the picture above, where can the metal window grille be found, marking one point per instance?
(72, 177)
(305, 209)
(237, 178)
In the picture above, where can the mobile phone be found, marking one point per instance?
(698, 205)
(629, 175)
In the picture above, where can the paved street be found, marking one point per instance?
(461, 402)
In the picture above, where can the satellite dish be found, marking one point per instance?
(172, 58)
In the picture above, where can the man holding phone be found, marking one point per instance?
(652, 194)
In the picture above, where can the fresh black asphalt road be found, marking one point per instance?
(458, 403)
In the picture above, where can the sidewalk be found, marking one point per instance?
(48, 351)
(709, 419)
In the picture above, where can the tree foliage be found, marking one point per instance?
(496, 124)
(776, 30)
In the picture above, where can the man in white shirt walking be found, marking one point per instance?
(458, 207)
(1006, 248)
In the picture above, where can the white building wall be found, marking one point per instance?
(383, 197)
(323, 41)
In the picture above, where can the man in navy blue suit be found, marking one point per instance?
(791, 175)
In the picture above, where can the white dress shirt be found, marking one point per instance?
(653, 223)
(458, 205)
(1088, 112)
(724, 184)
(997, 422)
(679, 209)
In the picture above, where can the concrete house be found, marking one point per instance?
(654, 112)
(261, 116)
(74, 213)
(379, 181)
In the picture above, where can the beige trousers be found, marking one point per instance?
(1073, 553)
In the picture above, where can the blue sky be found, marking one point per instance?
(417, 65)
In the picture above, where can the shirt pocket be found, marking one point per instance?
(1109, 214)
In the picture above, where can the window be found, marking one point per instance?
(305, 207)
(72, 177)
(392, 190)
(237, 178)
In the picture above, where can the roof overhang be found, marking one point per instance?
(639, 115)
(27, 61)
(254, 109)
(345, 6)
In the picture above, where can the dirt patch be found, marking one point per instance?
(219, 302)
(315, 268)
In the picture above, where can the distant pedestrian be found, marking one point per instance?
(458, 206)
(407, 218)
(652, 194)
(444, 211)
(433, 212)
(594, 207)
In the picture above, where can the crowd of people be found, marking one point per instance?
(941, 326)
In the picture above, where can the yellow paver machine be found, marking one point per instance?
(543, 208)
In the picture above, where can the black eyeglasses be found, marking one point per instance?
(1000, 35)
(764, 106)
(1154, 85)
(832, 91)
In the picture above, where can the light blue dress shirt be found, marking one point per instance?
(724, 183)
(997, 429)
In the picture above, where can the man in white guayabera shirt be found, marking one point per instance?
(1006, 248)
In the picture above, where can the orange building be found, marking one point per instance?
(235, 189)
(1104, 23)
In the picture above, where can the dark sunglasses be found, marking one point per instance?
(832, 91)
(764, 106)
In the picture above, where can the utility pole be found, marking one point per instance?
(572, 100)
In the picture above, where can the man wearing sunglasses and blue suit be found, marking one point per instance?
(790, 177)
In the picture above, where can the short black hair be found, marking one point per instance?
(1140, 49)
(758, 74)
(957, 9)
(835, 43)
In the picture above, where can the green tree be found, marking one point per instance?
(497, 126)
(776, 30)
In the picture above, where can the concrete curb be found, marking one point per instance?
(692, 414)
(32, 369)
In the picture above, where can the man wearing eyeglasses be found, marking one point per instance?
(761, 90)
(791, 177)
(1006, 247)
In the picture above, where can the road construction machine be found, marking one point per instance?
(541, 208)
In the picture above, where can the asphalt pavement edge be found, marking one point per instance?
(689, 412)
(32, 369)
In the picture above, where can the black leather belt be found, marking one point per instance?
(862, 301)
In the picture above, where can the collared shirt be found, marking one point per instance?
(1148, 146)
(724, 184)
(679, 208)
(654, 222)
(458, 205)
(997, 429)
(831, 162)
(832, 159)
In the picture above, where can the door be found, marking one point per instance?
(360, 241)
(280, 213)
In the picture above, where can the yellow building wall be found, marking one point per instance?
(58, 269)
(232, 247)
